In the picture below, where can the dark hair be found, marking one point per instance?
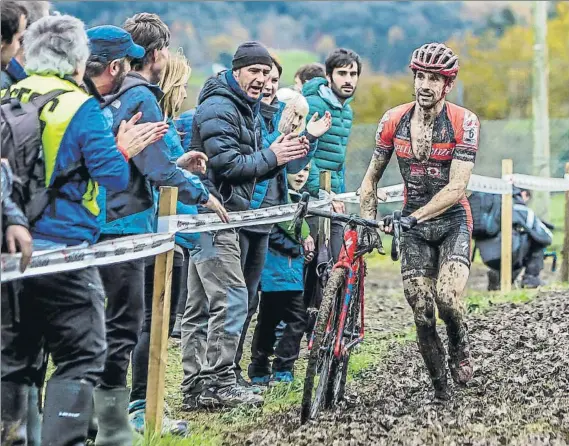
(11, 13)
(310, 71)
(148, 31)
(95, 68)
(278, 65)
(342, 57)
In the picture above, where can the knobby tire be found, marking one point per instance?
(335, 281)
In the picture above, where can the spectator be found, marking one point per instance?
(64, 309)
(254, 240)
(132, 211)
(14, 72)
(282, 285)
(173, 83)
(112, 49)
(14, 22)
(529, 239)
(226, 129)
(306, 73)
(333, 94)
(184, 126)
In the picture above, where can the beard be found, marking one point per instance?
(427, 103)
(340, 94)
(118, 80)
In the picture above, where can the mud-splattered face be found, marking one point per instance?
(430, 88)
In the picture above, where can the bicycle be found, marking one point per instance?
(340, 320)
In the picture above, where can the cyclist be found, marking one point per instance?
(436, 144)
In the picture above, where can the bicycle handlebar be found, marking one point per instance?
(398, 222)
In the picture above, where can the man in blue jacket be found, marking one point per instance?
(64, 309)
(227, 129)
(254, 240)
(133, 211)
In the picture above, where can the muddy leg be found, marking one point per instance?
(450, 288)
(420, 293)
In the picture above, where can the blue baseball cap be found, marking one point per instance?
(108, 43)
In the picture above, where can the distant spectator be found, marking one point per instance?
(308, 72)
(530, 237)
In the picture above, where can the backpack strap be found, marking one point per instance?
(42, 100)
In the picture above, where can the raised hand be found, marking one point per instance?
(317, 127)
(289, 148)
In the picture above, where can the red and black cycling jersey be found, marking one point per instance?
(456, 132)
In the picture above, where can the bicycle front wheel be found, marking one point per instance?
(321, 355)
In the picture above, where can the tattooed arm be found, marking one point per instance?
(377, 166)
(448, 196)
(368, 190)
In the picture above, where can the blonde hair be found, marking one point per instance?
(172, 82)
(296, 104)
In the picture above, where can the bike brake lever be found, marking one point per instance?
(395, 252)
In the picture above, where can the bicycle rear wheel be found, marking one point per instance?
(321, 355)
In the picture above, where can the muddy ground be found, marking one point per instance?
(519, 394)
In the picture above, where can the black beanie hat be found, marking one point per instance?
(251, 53)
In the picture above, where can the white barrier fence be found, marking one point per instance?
(134, 247)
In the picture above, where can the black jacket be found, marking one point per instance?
(227, 129)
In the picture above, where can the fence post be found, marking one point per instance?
(565, 266)
(158, 355)
(506, 254)
(324, 223)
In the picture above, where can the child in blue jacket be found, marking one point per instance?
(282, 299)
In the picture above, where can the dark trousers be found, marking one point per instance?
(312, 288)
(287, 306)
(64, 310)
(254, 248)
(183, 296)
(141, 352)
(124, 288)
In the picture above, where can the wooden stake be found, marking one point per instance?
(507, 211)
(158, 355)
(565, 266)
(324, 223)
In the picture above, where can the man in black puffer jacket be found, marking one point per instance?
(227, 129)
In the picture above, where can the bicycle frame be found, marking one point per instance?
(353, 262)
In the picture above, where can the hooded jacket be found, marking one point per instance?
(227, 128)
(331, 152)
(133, 210)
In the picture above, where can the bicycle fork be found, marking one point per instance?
(340, 348)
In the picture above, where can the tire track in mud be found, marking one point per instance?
(519, 394)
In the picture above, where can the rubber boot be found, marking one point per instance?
(14, 402)
(66, 413)
(93, 425)
(111, 409)
(34, 417)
